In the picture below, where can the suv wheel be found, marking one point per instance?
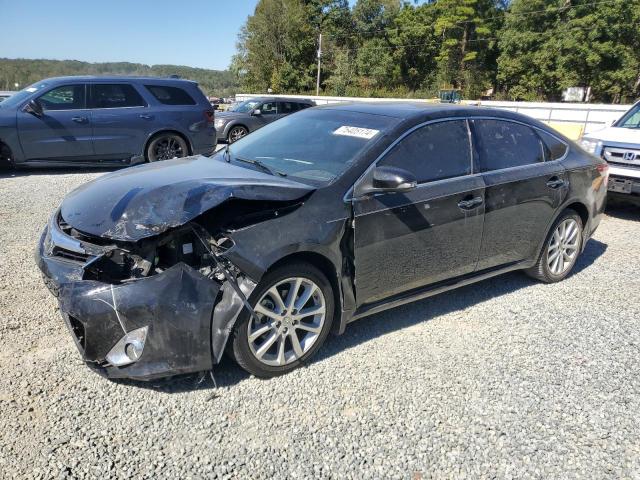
(561, 249)
(236, 133)
(166, 146)
(294, 309)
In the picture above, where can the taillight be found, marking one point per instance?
(209, 115)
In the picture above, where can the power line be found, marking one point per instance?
(495, 17)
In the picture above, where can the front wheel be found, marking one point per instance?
(561, 249)
(166, 146)
(294, 310)
(236, 133)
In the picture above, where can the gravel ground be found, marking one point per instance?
(504, 379)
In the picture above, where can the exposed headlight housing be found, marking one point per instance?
(592, 146)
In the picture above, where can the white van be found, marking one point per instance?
(619, 145)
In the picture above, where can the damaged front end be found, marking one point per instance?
(156, 307)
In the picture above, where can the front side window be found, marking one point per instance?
(504, 144)
(67, 97)
(170, 95)
(631, 119)
(268, 108)
(116, 95)
(433, 152)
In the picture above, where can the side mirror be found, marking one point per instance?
(34, 108)
(390, 179)
(256, 112)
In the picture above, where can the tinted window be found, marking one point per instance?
(303, 105)
(170, 95)
(116, 95)
(68, 97)
(433, 152)
(503, 144)
(287, 107)
(555, 148)
(268, 108)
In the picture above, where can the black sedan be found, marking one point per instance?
(316, 220)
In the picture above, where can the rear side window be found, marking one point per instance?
(302, 106)
(503, 144)
(555, 148)
(170, 95)
(115, 95)
(67, 97)
(287, 107)
(434, 152)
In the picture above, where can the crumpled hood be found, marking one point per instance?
(615, 134)
(143, 201)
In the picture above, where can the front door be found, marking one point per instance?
(122, 121)
(523, 191)
(63, 131)
(404, 241)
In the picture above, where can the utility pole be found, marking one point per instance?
(319, 55)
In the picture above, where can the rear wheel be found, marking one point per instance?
(294, 311)
(6, 161)
(236, 133)
(561, 249)
(166, 146)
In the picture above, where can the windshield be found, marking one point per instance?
(245, 107)
(631, 119)
(18, 97)
(312, 146)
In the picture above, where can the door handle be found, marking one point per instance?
(471, 203)
(555, 182)
(79, 119)
(146, 116)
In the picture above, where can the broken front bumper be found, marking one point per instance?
(169, 317)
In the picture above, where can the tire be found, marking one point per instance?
(166, 146)
(561, 249)
(6, 162)
(263, 355)
(236, 133)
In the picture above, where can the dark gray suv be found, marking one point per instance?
(250, 115)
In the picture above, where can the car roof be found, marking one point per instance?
(281, 99)
(113, 78)
(418, 111)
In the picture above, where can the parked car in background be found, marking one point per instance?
(250, 115)
(313, 221)
(619, 145)
(105, 120)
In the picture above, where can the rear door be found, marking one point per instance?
(523, 191)
(121, 120)
(432, 233)
(63, 132)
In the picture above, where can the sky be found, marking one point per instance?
(196, 33)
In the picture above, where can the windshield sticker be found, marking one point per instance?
(358, 132)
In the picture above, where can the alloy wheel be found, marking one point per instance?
(290, 317)
(236, 134)
(563, 246)
(167, 148)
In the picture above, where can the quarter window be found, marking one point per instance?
(115, 95)
(170, 95)
(503, 144)
(68, 97)
(555, 148)
(433, 152)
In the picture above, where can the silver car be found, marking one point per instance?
(250, 115)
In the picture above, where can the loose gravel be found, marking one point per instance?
(507, 378)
